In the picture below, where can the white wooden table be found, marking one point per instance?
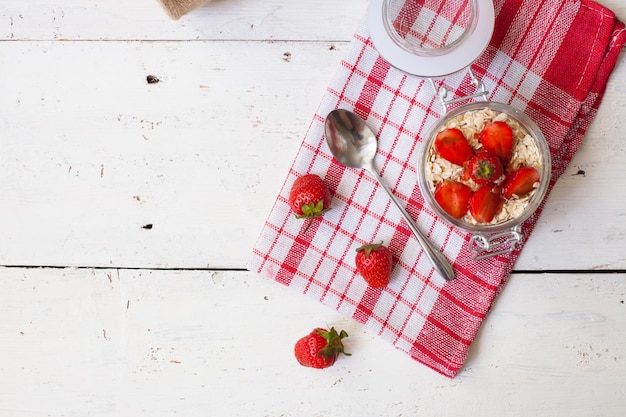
(128, 210)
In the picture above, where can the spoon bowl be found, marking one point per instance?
(354, 145)
(351, 142)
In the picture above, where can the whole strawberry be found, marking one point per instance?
(484, 167)
(320, 348)
(309, 198)
(374, 263)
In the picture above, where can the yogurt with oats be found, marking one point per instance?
(471, 123)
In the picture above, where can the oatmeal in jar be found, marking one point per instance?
(483, 167)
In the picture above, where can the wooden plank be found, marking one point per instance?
(136, 342)
(326, 20)
(92, 153)
(584, 221)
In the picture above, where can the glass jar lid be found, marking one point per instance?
(431, 38)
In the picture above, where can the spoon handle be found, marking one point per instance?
(439, 261)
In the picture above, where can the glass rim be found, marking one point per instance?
(408, 46)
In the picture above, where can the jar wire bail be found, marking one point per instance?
(443, 92)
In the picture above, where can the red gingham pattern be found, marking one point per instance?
(548, 58)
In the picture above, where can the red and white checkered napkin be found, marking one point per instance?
(549, 58)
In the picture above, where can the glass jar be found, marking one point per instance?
(433, 40)
(493, 238)
(417, 40)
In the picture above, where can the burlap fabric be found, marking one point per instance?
(177, 8)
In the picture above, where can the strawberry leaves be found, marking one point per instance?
(312, 210)
(485, 168)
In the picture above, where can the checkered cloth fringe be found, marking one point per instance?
(549, 58)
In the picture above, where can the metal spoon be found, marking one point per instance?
(354, 145)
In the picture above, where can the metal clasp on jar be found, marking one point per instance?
(485, 246)
(443, 92)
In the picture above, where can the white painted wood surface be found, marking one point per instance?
(209, 343)
(119, 320)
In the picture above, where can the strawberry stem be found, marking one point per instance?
(369, 247)
(334, 345)
(311, 211)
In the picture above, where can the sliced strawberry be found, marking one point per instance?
(497, 137)
(520, 182)
(485, 204)
(453, 197)
(485, 167)
(452, 146)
